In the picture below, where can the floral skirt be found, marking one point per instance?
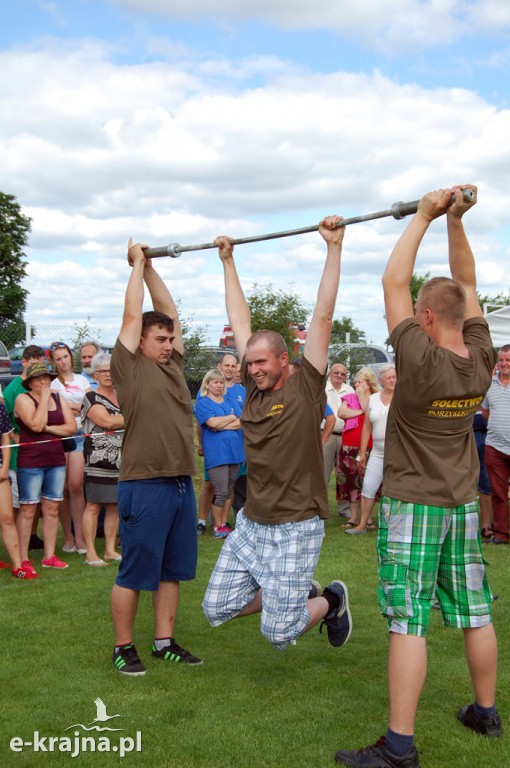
(348, 477)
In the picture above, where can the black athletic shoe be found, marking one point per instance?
(200, 529)
(174, 652)
(338, 621)
(35, 542)
(127, 661)
(315, 590)
(377, 756)
(488, 725)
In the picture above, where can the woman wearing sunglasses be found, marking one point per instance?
(72, 386)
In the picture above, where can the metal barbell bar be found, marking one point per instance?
(398, 210)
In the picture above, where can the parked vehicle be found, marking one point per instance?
(16, 353)
(356, 356)
(5, 360)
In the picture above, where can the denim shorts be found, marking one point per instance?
(79, 442)
(157, 527)
(45, 482)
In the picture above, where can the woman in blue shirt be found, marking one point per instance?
(222, 441)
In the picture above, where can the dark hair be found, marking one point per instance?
(150, 319)
(33, 350)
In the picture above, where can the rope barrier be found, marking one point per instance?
(69, 437)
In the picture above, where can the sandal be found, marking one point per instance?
(95, 563)
(350, 524)
(370, 525)
(487, 533)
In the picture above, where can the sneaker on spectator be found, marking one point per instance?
(200, 529)
(221, 532)
(338, 621)
(3, 564)
(21, 573)
(487, 725)
(53, 562)
(35, 542)
(377, 756)
(315, 590)
(127, 662)
(174, 652)
(27, 565)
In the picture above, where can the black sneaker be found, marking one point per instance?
(35, 542)
(338, 622)
(377, 756)
(315, 590)
(174, 652)
(200, 529)
(127, 661)
(488, 725)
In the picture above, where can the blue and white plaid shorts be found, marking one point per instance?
(279, 559)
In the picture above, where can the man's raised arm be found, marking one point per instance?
(131, 328)
(162, 301)
(238, 311)
(462, 261)
(397, 276)
(319, 334)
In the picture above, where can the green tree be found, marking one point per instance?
(198, 357)
(277, 310)
(494, 302)
(14, 229)
(345, 328)
(341, 331)
(414, 286)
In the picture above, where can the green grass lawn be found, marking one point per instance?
(247, 706)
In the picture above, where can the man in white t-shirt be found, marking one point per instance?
(335, 388)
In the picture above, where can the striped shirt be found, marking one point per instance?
(497, 401)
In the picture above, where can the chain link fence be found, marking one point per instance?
(198, 359)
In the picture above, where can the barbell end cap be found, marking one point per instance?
(396, 210)
(468, 194)
(174, 250)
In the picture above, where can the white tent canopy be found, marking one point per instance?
(499, 325)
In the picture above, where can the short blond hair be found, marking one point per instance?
(446, 298)
(213, 374)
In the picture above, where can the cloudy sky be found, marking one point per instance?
(169, 122)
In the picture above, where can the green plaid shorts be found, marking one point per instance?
(428, 552)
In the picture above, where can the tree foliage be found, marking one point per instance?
(494, 302)
(344, 330)
(14, 229)
(277, 310)
(198, 357)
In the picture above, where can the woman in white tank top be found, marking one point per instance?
(376, 417)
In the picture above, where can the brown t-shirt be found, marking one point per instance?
(156, 405)
(430, 454)
(282, 440)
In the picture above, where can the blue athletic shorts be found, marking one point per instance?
(46, 482)
(157, 527)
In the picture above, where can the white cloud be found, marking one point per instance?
(394, 23)
(98, 151)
